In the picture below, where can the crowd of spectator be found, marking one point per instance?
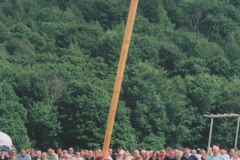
(214, 153)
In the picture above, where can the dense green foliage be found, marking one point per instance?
(59, 58)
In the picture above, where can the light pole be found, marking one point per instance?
(212, 116)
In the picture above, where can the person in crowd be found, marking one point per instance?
(96, 153)
(129, 155)
(203, 154)
(120, 150)
(66, 157)
(143, 154)
(138, 157)
(59, 152)
(78, 156)
(147, 155)
(162, 154)
(110, 152)
(187, 155)
(13, 153)
(216, 155)
(223, 152)
(85, 153)
(64, 152)
(150, 153)
(179, 155)
(3, 155)
(70, 152)
(100, 152)
(125, 156)
(28, 151)
(32, 153)
(231, 153)
(90, 155)
(210, 151)
(44, 155)
(24, 155)
(118, 156)
(53, 155)
(176, 152)
(237, 156)
(171, 155)
(38, 156)
(135, 154)
(109, 157)
(194, 152)
(154, 156)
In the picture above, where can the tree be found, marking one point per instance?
(83, 112)
(13, 116)
(191, 66)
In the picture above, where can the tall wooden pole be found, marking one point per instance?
(119, 77)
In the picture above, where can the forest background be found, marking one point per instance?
(59, 58)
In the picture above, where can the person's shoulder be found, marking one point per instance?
(166, 158)
(221, 157)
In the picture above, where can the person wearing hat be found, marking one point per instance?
(3, 155)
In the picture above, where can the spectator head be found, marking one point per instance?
(194, 152)
(154, 155)
(187, 151)
(38, 153)
(143, 153)
(215, 150)
(78, 154)
(59, 151)
(110, 151)
(222, 152)
(13, 152)
(49, 150)
(27, 151)
(82, 153)
(150, 153)
(100, 151)
(171, 153)
(44, 155)
(146, 154)
(179, 154)
(64, 152)
(127, 152)
(70, 150)
(138, 157)
(162, 153)
(52, 152)
(202, 152)
(90, 153)
(23, 153)
(136, 153)
(125, 155)
(119, 148)
(176, 151)
(231, 152)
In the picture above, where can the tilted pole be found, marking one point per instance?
(236, 138)
(119, 77)
(210, 136)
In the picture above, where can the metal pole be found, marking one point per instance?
(210, 136)
(119, 77)
(236, 138)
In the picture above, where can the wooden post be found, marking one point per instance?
(119, 77)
